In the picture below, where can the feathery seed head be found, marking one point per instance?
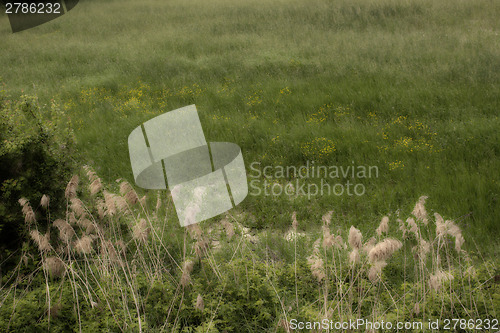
(295, 224)
(42, 241)
(419, 211)
(141, 230)
(355, 238)
(200, 305)
(327, 217)
(383, 250)
(72, 187)
(384, 226)
(44, 202)
(54, 265)
(83, 245)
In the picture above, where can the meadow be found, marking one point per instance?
(410, 86)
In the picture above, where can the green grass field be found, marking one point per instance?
(411, 87)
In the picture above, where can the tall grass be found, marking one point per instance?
(119, 262)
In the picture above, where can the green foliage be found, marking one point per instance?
(36, 143)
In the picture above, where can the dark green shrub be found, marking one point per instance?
(36, 144)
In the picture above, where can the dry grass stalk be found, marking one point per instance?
(339, 242)
(128, 192)
(402, 227)
(283, 323)
(295, 223)
(449, 227)
(383, 227)
(327, 218)
(132, 198)
(201, 244)
(383, 250)
(316, 262)
(83, 245)
(355, 238)
(158, 201)
(375, 271)
(416, 309)
(54, 265)
(440, 225)
(72, 187)
(412, 226)
(187, 268)
(42, 241)
(122, 247)
(72, 218)
(95, 186)
(354, 257)
(200, 305)
(421, 249)
(368, 246)
(95, 182)
(77, 207)
(29, 217)
(108, 252)
(141, 230)
(436, 280)
(28, 213)
(66, 232)
(91, 175)
(125, 188)
(121, 204)
(110, 203)
(195, 231)
(86, 224)
(419, 211)
(23, 202)
(328, 239)
(101, 208)
(44, 202)
(317, 267)
(200, 247)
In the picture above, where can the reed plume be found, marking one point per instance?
(187, 268)
(383, 227)
(436, 280)
(84, 245)
(54, 265)
(44, 202)
(355, 238)
(384, 250)
(42, 241)
(66, 232)
(419, 211)
(72, 187)
(141, 230)
(200, 305)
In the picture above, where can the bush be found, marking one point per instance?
(36, 143)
